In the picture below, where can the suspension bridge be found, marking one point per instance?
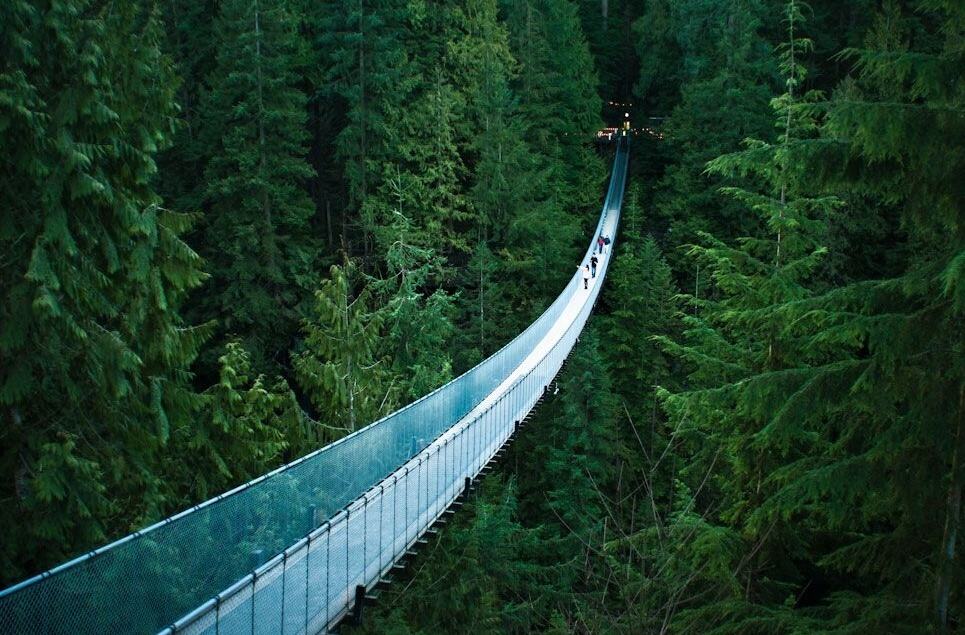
(303, 547)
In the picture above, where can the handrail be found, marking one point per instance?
(140, 576)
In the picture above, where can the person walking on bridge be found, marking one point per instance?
(599, 244)
(586, 276)
(593, 262)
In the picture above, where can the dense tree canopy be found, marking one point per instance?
(233, 231)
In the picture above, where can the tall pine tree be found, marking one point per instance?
(258, 237)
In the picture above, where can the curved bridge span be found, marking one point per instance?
(295, 550)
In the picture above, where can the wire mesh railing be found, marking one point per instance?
(337, 518)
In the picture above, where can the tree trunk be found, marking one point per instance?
(328, 222)
(269, 236)
(953, 517)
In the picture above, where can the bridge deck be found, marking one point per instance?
(146, 580)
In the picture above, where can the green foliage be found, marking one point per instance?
(254, 421)
(660, 53)
(817, 395)
(489, 575)
(557, 90)
(583, 441)
(804, 472)
(94, 379)
(258, 240)
(719, 61)
(364, 64)
(521, 555)
(416, 320)
(608, 26)
(189, 30)
(640, 306)
(421, 180)
(798, 470)
(339, 368)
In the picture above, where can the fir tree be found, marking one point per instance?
(821, 390)
(339, 369)
(891, 378)
(418, 321)
(661, 73)
(556, 75)
(255, 424)
(190, 42)
(504, 180)
(94, 380)
(366, 67)
(640, 298)
(725, 74)
(258, 237)
(422, 179)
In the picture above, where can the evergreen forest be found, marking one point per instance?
(235, 231)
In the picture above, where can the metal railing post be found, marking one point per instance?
(418, 492)
(284, 570)
(381, 529)
(348, 518)
(254, 583)
(405, 542)
(328, 574)
(308, 568)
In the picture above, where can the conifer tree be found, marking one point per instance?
(556, 87)
(725, 76)
(821, 391)
(365, 65)
(504, 179)
(255, 423)
(608, 26)
(583, 440)
(258, 237)
(489, 574)
(557, 91)
(659, 51)
(746, 355)
(640, 298)
(418, 320)
(189, 40)
(891, 378)
(339, 368)
(422, 179)
(94, 379)
(484, 309)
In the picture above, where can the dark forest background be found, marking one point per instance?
(233, 231)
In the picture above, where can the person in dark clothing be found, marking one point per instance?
(593, 262)
(599, 244)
